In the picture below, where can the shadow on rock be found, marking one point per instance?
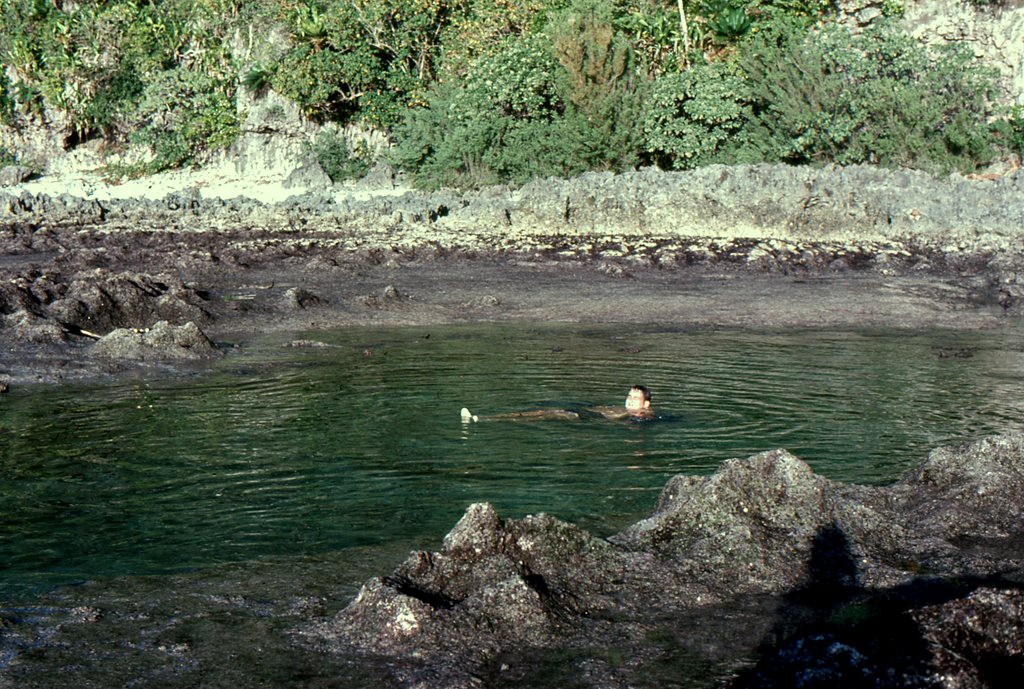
(832, 632)
(829, 584)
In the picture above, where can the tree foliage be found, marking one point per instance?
(555, 103)
(372, 57)
(483, 91)
(693, 118)
(879, 97)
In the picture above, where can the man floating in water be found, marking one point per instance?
(638, 406)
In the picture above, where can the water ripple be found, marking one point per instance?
(283, 451)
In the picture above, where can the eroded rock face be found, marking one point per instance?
(914, 584)
(47, 305)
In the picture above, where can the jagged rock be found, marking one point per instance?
(299, 298)
(388, 296)
(308, 175)
(14, 174)
(101, 301)
(742, 202)
(187, 200)
(162, 341)
(30, 327)
(867, 580)
(380, 176)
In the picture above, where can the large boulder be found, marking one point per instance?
(11, 175)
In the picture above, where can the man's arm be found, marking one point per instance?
(535, 415)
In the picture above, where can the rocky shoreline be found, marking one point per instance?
(918, 584)
(763, 574)
(755, 246)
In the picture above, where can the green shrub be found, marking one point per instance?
(879, 97)
(693, 118)
(336, 157)
(805, 13)
(94, 61)
(482, 24)
(490, 127)
(522, 112)
(1009, 129)
(656, 36)
(370, 58)
(601, 82)
(519, 80)
(8, 103)
(186, 114)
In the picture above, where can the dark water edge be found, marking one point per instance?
(157, 531)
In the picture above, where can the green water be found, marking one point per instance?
(283, 451)
(171, 532)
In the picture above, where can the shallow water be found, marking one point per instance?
(303, 453)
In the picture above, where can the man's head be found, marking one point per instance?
(638, 400)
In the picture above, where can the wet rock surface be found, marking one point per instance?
(916, 584)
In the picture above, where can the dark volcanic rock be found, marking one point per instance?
(299, 298)
(162, 341)
(94, 302)
(915, 584)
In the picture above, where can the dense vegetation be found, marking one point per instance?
(481, 91)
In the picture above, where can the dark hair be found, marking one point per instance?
(644, 389)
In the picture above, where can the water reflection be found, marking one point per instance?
(285, 451)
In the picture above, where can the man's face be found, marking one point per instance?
(635, 401)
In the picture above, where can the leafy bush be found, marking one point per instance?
(482, 24)
(692, 118)
(336, 157)
(600, 80)
(559, 103)
(367, 57)
(1009, 131)
(514, 88)
(827, 96)
(879, 97)
(802, 12)
(491, 127)
(656, 36)
(7, 101)
(185, 115)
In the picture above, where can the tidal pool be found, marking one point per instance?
(353, 453)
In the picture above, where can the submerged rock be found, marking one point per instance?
(914, 584)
